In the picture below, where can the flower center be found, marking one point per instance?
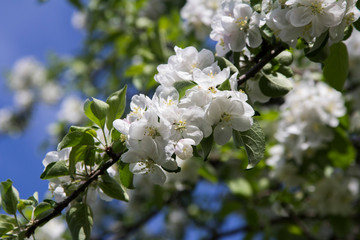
(151, 131)
(242, 23)
(148, 165)
(180, 126)
(317, 8)
(212, 89)
(226, 117)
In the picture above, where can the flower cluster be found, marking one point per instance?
(235, 25)
(309, 19)
(308, 113)
(161, 131)
(28, 79)
(198, 14)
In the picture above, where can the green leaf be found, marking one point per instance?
(208, 172)
(81, 153)
(73, 139)
(42, 210)
(285, 58)
(319, 51)
(126, 176)
(117, 104)
(275, 85)
(55, 169)
(112, 188)
(206, 146)
(336, 66)
(341, 151)
(182, 86)
(254, 142)
(96, 111)
(240, 186)
(80, 221)
(7, 224)
(91, 130)
(9, 197)
(224, 63)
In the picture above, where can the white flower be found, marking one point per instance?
(24, 98)
(78, 20)
(198, 14)
(227, 114)
(26, 73)
(145, 158)
(321, 14)
(51, 93)
(238, 26)
(182, 65)
(138, 106)
(209, 78)
(351, 15)
(71, 110)
(183, 148)
(5, 119)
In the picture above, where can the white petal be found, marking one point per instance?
(299, 16)
(222, 134)
(157, 176)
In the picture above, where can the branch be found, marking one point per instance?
(259, 65)
(63, 204)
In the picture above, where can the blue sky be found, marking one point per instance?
(28, 28)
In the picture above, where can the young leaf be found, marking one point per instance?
(112, 188)
(224, 63)
(275, 85)
(9, 197)
(80, 221)
(117, 104)
(206, 146)
(7, 224)
(254, 142)
(42, 210)
(319, 51)
(96, 111)
(182, 86)
(73, 139)
(241, 187)
(55, 169)
(336, 66)
(126, 176)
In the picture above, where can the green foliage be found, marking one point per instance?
(7, 224)
(117, 103)
(126, 176)
(336, 66)
(55, 169)
(182, 86)
(240, 186)
(206, 146)
(341, 151)
(275, 85)
(9, 197)
(42, 210)
(73, 139)
(224, 63)
(319, 51)
(112, 188)
(254, 142)
(80, 221)
(96, 110)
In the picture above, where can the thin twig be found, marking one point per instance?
(258, 66)
(63, 204)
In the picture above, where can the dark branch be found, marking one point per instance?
(260, 64)
(63, 204)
